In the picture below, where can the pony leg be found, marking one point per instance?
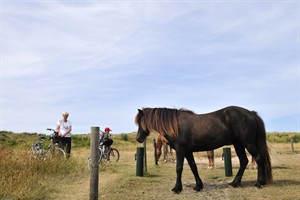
(179, 167)
(193, 166)
(165, 152)
(252, 164)
(158, 148)
(158, 153)
(171, 153)
(261, 177)
(211, 159)
(241, 153)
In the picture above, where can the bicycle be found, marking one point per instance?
(52, 151)
(106, 153)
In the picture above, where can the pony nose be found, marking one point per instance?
(140, 140)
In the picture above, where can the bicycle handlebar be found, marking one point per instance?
(50, 129)
(42, 138)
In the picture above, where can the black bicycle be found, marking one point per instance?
(52, 151)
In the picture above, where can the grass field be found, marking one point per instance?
(22, 178)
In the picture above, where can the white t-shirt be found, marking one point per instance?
(64, 126)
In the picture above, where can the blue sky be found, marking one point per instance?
(102, 60)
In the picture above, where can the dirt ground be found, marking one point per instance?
(119, 181)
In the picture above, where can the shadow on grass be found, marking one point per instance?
(284, 182)
(280, 167)
(245, 184)
(148, 175)
(275, 183)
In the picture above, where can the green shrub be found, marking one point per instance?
(11, 142)
(124, 137)
(296, 138)
(283, 137)
(80, 141)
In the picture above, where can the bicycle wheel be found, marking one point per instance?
(36, 154)
(55, 153)
(100, 161)
(114, 155)
(102, 158)
(36, 151)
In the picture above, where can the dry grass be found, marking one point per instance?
(21, 179)
(119, 181)
(24, 178)
(159, 180)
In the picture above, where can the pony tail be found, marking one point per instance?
(264, 149)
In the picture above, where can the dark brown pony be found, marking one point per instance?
(163, 142)
(188, 132)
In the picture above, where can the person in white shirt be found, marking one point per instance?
(64, 128)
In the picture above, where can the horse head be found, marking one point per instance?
(141, 133)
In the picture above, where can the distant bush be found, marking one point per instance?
(124, 137)
(80, 141)
(283, 137)
(296, 138)
(11, 142)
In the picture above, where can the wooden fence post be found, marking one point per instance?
(94, 178)
(292, 144)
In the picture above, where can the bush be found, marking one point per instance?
(296, 138)
(283, 137)
(11, 142)
(80, 141)
(124, 137)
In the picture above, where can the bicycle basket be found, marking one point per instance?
(55, 137)
(108, 142)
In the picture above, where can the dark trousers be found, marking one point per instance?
(65, 144)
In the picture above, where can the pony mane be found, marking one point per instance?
(161, 120)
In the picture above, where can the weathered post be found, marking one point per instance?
(140, 161)
(155, 152)
(227, 161)
(94, 178)
(292, 144)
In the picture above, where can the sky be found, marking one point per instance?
(103, 60)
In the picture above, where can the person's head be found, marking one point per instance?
(107, 129)
(65, 115)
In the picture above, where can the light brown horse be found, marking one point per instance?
(163, 142)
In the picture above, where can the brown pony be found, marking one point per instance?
(188, 132)
(163, 142)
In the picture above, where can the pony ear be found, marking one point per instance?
(141, 113)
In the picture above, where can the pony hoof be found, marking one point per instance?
(177, 191)
(234, 184)
(197, 188)
(258, 185)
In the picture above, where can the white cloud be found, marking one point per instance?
(103, 60)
